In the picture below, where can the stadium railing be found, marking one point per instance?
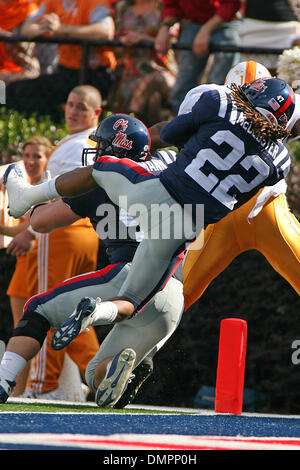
(88, 43)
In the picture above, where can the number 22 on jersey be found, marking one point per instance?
(219, 187)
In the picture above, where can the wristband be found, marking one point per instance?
(30, 229)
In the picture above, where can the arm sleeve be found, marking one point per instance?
(77, 205)
(178, 131)
(228, 8)
(37, 15)
(171, 8)
(86, 204)
(99, 15)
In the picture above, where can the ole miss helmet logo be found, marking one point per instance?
(258, 85)
(121, 124)
(120, 139)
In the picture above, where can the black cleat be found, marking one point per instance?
(141, 374)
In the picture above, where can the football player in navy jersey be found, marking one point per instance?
(265, 223)
(231, 148)
(138, 340)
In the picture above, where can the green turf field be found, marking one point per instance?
(44, 407)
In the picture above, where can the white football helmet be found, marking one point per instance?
(240, 74)
(246, 72)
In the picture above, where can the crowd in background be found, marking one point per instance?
(150, 82)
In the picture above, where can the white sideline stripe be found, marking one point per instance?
(152, 442)
(159, 409)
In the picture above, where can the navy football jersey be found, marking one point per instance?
(118, 231)
(222, 163)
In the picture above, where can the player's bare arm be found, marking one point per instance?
(47, 217)
(75, 182)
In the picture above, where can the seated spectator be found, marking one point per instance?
(17, 59)
(269, 24)
(146, 77)
(65, 19)
(202, 23)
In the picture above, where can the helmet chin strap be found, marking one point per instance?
(268, 115)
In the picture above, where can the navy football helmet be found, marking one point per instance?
(120, 135)
(273, 98)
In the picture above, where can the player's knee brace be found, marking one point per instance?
(34, 325)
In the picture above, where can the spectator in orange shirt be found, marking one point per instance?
(36, 151)
(66, 19)
(17, 60)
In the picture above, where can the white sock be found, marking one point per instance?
(105, 313)
(11, 365)
(50, 189)
(42, 192)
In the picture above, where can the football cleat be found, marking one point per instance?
(141, 374)
(16, 186)
(6, 387)
(80, 319)
(116, 379)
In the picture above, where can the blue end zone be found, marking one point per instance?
(189, 425)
